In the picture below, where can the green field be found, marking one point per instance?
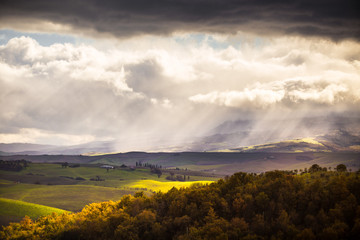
(75, 197)
(15, 210)
(68, 197)
(54, 174)
(52, 185)
(72, 188)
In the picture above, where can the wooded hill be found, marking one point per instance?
(317, 204)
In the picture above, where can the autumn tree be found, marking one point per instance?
(341, 168)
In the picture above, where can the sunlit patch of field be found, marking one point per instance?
(224, 150)
(97, 153)
(286, 146)
(256, 147)
(163, 186)
(308, 140)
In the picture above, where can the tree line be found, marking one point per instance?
(147, 165)
(14, 165)
(275, 205)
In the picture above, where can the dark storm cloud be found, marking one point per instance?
(331, 18)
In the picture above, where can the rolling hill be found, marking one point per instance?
(337, 141)
(15, 210)
(336, 147)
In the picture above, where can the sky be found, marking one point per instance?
(149, 73)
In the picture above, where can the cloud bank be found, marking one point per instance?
(149, 93)
(288, 92)
(332, 19)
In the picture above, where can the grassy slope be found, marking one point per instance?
(15, 210)
(19, 208)
(69, 197)
(75, 197)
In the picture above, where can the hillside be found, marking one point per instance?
(275, 205)
(338, 141)
(72, 188)
(287, 146)
(15, 210)
(218, 163)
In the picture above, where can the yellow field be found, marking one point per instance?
(163, 186)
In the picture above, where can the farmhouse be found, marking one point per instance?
(107, 166)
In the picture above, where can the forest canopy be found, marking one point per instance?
(317, 204)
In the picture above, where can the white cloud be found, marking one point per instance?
(60, 61)
(248, 98)
(289, 91)
(139, 87)
(31, 135)
(319, 92)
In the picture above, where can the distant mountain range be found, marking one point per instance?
(312, 134)
(38, 149)
(337, 141)
(336, 133)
